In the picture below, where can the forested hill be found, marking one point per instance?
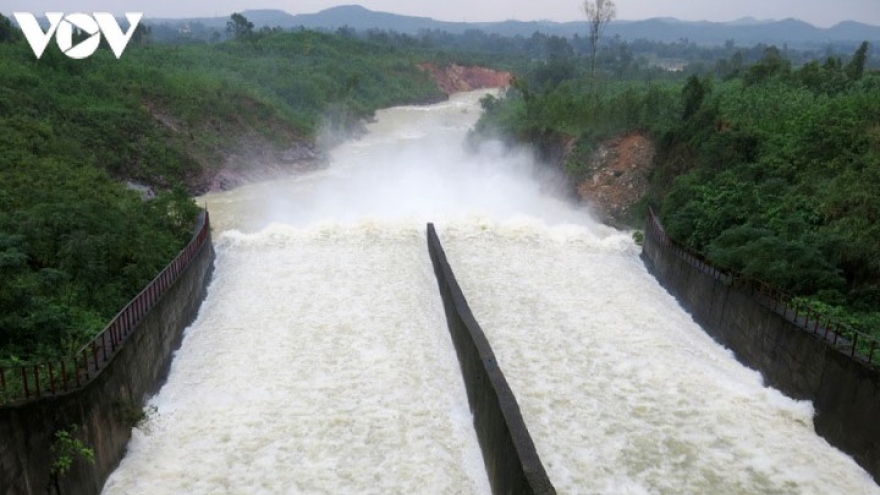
(75, 243)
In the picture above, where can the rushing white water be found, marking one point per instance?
(623, 393)
(320, 361)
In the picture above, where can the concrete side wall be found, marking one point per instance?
(845, 393)
(104, 409)
(511, 461)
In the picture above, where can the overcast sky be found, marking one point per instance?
(823, 13)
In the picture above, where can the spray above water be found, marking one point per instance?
(412, 166)
(321, 363)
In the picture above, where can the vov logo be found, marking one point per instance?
(62, 26)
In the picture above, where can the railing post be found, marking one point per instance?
(854, 342)
(24, 382)
(85, 355)
(63, 375)
(871, 353)
(37, 379)
(75, 370)
(51, 379)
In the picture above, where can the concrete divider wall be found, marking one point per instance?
(844, 392)
(509, 454)
(106, 408)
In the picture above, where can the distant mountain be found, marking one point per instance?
(360, 18)
(747, 21)
(852, 29)
(745, 31)
(790, 31)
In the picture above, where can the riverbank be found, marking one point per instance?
(250, 157)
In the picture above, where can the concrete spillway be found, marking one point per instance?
(320, 362)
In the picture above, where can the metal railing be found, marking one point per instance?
(859, 345)
(47, 378)
(696, 260)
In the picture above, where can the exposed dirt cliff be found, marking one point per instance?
(617, 176)
(457, 78)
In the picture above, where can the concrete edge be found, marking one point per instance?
(511, 460)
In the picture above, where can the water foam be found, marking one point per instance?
(622, 391)
(320, 363)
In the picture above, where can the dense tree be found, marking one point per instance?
(693, 94)
(771, 64)
(856, 67)
(239, 27)
(8, 32)
(142, 34)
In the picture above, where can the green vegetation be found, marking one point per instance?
(129, 414)
(75, 243)
(66, 448)
(767, 169)
(784, 179)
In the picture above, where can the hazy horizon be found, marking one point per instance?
(816, 12)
